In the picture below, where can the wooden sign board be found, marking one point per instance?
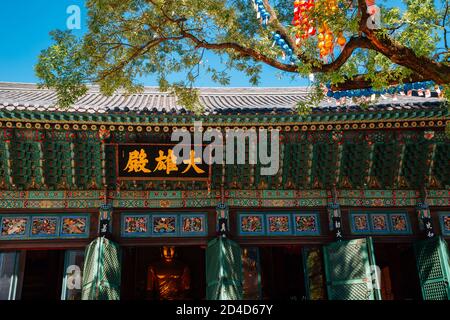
(158, 162)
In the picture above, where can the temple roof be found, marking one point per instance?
(391, 144)
(27, 97)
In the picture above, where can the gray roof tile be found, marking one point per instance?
(22, 96)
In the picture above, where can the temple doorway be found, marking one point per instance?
(399, 279)
(163, 273)
(42, 275)
(282, 273)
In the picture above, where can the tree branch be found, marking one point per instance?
(243, 51)
(317, 65)
(347, 51)
(400, 54)
(276, 24)
(424, 68)
(137, 52)
(447, 5)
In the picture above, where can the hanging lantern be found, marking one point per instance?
(341, 40)
(370, 94)
(284, 46)
(261, 12)
(302, 20)
(325, 41)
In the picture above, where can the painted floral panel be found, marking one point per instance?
(44, 226)
(446, 224)
(74, 226)
(379, 222)
(136, 224)
(251, 224)
(279, 224)
(14, 226)
(399, 222)
(360, 223)
(164, 225)
(193, 224)
(306, 223)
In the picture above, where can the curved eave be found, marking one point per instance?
(11, 117)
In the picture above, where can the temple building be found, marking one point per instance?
(92, 207)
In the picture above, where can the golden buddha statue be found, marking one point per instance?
(168, 279)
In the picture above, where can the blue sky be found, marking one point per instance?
(24, 28)
(24, 32)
